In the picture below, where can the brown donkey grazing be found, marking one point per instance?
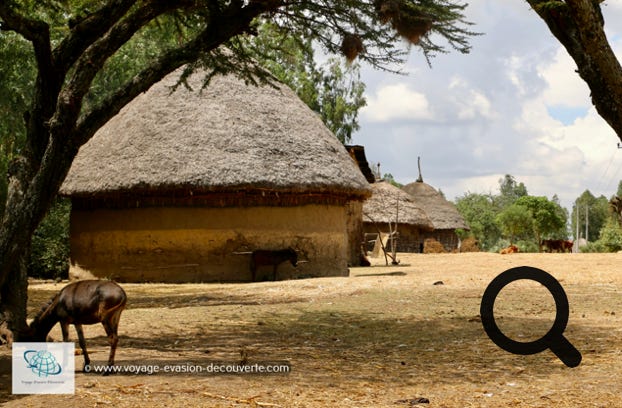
(82, 302)
(263, 257)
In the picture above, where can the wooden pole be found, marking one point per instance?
(577, 234)
(420, 179)
(587, 237)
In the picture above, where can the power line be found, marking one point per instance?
(614, 177)
(603, 179)
(608, 180)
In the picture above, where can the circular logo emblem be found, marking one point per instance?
(42, 363)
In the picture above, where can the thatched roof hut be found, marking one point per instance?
(443, 214)
(388, 205)
(239, 167)
(387, 200)
(228, 137)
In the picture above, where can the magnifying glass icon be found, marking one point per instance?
(554, 339)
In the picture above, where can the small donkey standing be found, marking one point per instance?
(263, 257)
(82, 302)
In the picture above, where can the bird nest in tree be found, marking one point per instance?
(410, 22)
(351, 46)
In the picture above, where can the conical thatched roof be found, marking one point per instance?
(441, 212)
(383, 205)
(227, 137)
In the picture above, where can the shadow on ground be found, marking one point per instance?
(360, 347)
(363, 347)
(392, 346)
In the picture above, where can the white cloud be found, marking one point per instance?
(396, 102)
(564, 86)
(469, 103)
(514, 105)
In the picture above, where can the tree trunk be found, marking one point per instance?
(14, 296)
(30, 195)
(56, 131)
(14, 282)
(20, 221)
(579, 27)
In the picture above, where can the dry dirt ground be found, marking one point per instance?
(383, 337)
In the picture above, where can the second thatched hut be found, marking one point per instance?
(390, 209)
(444, 215)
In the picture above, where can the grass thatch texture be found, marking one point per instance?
(441, 212)
(389, 204)
(226, 137)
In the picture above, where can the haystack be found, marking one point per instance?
(444, 216)
(180, 185)
(390, 205)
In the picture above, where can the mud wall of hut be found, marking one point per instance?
(447, 237)
(173, 244)
(354, 210)
(409, 239)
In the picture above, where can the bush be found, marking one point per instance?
(610, 239)
(527, 246)
(499, 245)
(49, 256)
(611, 236)
(591, 247)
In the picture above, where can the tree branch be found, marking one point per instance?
(87, 30)
(217, 32)
(35, 31)
(578, 25)
(93, 58)
(31, 29)
(102, 113)
(589, 20)
(48, 81)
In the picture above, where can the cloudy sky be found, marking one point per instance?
(514, 105)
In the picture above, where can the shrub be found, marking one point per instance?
(49, 256)
(611, 236)
(527, 246)
(592, 247)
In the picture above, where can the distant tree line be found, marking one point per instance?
(512, 216)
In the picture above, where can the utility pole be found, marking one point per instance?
(577, 217)
(587, 237)
(576, 240)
